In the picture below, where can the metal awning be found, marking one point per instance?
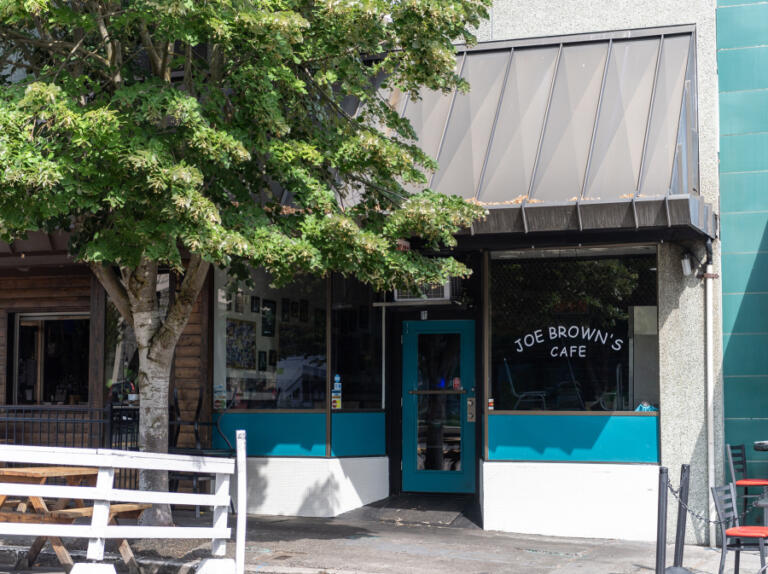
(575, 133)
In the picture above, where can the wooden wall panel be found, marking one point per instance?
(190, 368)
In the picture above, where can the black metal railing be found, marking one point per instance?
(115, 427)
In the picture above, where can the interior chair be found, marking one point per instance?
(737, 463)
(526, 396)
(730, 530)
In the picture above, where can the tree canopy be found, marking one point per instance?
(156, 130)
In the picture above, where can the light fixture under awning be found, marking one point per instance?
(586, 132)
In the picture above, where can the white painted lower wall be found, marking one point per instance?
(571, 499)
(321, 487)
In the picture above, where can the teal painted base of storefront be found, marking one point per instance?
(574, 438)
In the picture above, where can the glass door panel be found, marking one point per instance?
(438, 400)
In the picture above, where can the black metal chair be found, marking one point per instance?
(525, 396)
(737, 463)
(177, 422)
(730, 530)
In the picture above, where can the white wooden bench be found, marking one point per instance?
(108, 501)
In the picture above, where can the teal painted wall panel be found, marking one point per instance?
(573, 438)
(742, 26)
(745, 231)
(746, 432)
(745, 313)
(747, 152)
(745, 272)
(745, 354)
(743, 82)
(358, 434)
(277, 434)
(744, 191)
(746, 397)
(744, 112)
(743, 69)
(722, 3)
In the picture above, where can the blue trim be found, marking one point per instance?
(574, 438)
(358, 434)
(437, 480)
(276, 434)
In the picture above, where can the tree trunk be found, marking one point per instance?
(154, 382)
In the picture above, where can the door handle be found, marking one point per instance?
(471, 410)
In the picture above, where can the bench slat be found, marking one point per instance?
(116, 459)
(116, 495)
(87, 531)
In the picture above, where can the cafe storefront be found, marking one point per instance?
(540, 383)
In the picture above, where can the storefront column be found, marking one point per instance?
(682, 356)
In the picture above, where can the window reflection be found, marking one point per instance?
(356, 344)
(574, 334)
(274, 351)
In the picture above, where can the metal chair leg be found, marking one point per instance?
(724, 553)
(736, 562)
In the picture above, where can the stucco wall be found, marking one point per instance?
(681, 301)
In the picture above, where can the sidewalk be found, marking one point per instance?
(352, 544)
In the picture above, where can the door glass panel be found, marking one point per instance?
(439, 361)
(439, 445)
(439, 426)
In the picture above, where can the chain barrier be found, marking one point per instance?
(700, 517)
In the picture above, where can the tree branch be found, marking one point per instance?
(149, 46)
(53, 46)
(178, 315)
(111, 46)
(115, 289)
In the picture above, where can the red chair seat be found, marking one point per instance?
(748, 532)
(752, 482)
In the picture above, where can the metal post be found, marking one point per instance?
(661, 522)
(682, 515)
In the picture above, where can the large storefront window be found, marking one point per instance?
(574, 333)
(270, 344)
(356, 345)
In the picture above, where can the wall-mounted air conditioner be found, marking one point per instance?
(426, 293)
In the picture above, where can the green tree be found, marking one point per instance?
(166, 133)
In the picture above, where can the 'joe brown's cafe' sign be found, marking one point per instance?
(571, 341)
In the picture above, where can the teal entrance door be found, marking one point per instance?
(439, 409)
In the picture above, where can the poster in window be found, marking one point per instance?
(268, 312)
(294, 309)
(255, 304)
(262, 360)
(304, 310)
(241, 344)
(285, 310)
(272, 358)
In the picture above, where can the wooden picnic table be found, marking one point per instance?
(58, 513)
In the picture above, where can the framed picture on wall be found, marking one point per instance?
(262, 360)
(268, 313)
(304, 310)
(255, 304)
(285, 310)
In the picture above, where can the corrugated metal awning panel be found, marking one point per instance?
(580, 119)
